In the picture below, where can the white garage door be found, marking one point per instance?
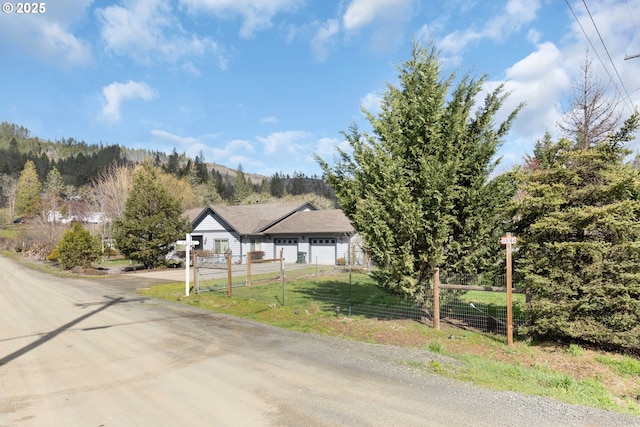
(289, 249)
(323, 251)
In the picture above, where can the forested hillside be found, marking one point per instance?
(80, 164)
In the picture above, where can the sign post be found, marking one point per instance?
(188, 243)
(509, 240)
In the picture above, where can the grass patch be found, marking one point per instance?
(312, 304)
(114, 262)
(574, 350)
(9, 233)
(623, 365)
(436, 347)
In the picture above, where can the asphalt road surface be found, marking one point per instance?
(78, 352)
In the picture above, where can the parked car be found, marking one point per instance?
(18, 220)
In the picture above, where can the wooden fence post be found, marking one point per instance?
(436, 298)
(509, 296)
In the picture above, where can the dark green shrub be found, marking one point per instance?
(54, 255)
(78, 248)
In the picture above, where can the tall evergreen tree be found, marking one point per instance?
(579, 248)
(28, 201)
(241, 187)
(201, 168)
(173, 163)
(264, 186)
(418, 189)
(277, 186)
(53, 189)
(152, 220)
(298, 185)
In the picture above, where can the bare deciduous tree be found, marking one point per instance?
(8, 193)
(110, 192)
(592, 115)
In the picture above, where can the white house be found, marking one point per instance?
(302, 231)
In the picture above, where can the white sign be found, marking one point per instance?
(190, 243)
(508, 240)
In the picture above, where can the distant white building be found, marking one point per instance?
(90, 218)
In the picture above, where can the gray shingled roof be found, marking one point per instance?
(322, 221)
(251, 219)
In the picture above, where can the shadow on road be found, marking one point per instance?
(66, 326)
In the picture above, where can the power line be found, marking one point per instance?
(633, 23)
(608, 55)
(595, 50)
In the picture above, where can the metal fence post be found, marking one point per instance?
(436, 298)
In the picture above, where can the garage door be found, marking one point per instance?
(323, 251)
(289, 249)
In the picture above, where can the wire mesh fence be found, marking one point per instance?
(481, 307)
(350, 292)
(212, 271)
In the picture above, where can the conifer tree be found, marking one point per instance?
(579, 247)
(53, 188)
(28, 201)
(152, 220)
(242, 188)
(276, 186)
(418, 188)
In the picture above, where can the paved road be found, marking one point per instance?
(92, 353)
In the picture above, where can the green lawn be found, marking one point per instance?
(570, 374)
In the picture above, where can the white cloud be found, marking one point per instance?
(116, 93)
(516, 14)
(191, 69)
(270, 120)
(240, 145)
(284, 142)
(48, 35)
(389, 15)
(57, 41)
(181, 140)
(371, 102)
(256, 14)
(146, 30)
(323, 37)
(233, 148)
(326, 147)
(363, 12)
(538, 80)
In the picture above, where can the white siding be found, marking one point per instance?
(342, 250)
(209, 224)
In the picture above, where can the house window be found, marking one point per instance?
(286, 241)
(221, 245)
(255, 244)
(322, 241)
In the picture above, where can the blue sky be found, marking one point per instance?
(266, 83)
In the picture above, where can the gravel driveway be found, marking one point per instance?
(78, 352)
